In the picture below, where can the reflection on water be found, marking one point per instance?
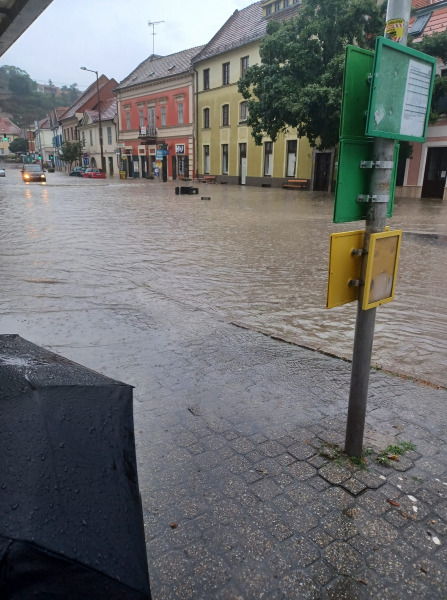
(256, 256)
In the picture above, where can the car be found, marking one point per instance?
(93, 174)
(2, 172)
(33, 172)
(77, 171)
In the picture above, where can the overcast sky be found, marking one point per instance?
(112, 36)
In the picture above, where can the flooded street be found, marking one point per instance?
(257, 257)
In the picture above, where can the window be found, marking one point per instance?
(206, 118)
(224, 159)
(141, 117)
(180, 113)
(206, 160)
(268, 159)
(277, 5)
(243, 112)
(419, 25)
(91, 137)
(225, 115)
(244, 64)
(286, 3)
(206, 79)
(268, 10)
(291, 158)
(163, 116)
(226, 73)
(83, 139)
(151, 120)
(109, 136)
(128, 121)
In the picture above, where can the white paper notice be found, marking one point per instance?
(417, 92)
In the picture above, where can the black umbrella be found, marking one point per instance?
(71, 522)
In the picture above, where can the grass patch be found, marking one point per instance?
(393, 451)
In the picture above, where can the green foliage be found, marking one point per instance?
(71, 152)
(386, 456)
(21, 100)
(298, 83)
(18, 145)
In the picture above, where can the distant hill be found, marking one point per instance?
(23, 103)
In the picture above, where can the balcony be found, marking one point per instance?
(148, 134)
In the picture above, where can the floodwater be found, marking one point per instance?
(257, 257)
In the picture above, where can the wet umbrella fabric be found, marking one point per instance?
(71, 521)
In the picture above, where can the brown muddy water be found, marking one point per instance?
(257, 257)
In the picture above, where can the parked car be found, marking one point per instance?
(77, 171)
(2, 172)
(93, 174)
(33, 172)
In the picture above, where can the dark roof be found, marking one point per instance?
(429, 19)
(243, 27)
(156, 67)
(89, 94)
(7, 126)
(108, 111)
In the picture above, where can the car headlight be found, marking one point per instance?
(26, 176)
(42, 176)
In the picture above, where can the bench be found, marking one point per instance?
(295, 184)
(208, 179)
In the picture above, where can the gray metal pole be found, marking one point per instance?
(375, 223)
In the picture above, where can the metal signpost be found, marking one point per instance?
(393, 87)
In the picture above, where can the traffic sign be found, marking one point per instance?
(381, 269)
(401, 90)
(344, 267)
(356, 89)
(355, 167)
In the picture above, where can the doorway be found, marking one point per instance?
(322, 171)
(110, 165)
(435, 173)
(242, 164)
(291, 158)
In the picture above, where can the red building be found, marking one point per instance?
(156, 117)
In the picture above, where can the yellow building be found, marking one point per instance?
(8, 133)
(225, 147)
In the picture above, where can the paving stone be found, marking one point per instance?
(343, 558)
(354, 486)
(301, 451)
(271, 448)
(299, 586)
(335, 474)
(300, 470)
(265, 489)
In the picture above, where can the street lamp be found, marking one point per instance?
(99, 117)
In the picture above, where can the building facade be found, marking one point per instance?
(99, 93)
(89, 133)
(8, 133)
(156, 117)
(425, 174)
(225, 146)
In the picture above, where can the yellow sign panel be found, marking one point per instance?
(344, 267)
(381, 269)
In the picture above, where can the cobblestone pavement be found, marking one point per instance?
(245, 492)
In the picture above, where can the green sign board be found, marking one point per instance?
(354, 179)
(401, 90)
(356, 89)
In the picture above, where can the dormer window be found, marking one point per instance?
(419, 25)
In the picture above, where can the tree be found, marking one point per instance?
(71, 152)
(18, 145)
(299, 81)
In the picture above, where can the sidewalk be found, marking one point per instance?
(244, 492)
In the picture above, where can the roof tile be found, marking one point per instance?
(159, 67)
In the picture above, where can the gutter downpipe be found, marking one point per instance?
(196, 96)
